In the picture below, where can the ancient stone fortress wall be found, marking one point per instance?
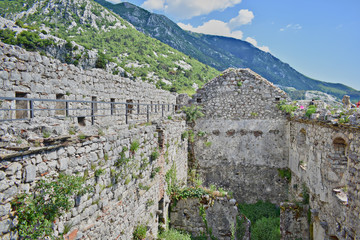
(129, 186)
(119, 203)
(31, 75)
(324, 160)
(242, 140)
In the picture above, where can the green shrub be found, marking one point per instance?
(31, 41)
(8, 36)
(68, 46)
(173, 234)
(37, 212)
(288, 108)
(139, 232)
(193, 112)
(311, 109)
(154, 155)
(99, 172)
(101, 61)
(266, 229)
(134, 146)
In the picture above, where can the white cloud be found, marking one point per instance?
(154, 4)
(245, 17)
(213, 27)
(186, 9)
(291, 27)
(254, 42)
(114, 1)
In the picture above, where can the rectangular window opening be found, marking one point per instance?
(130, 106)
(112, 106)
(21, 104)
(60, 106)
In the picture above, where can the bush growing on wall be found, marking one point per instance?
(36, 212)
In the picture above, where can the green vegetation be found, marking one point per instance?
(208, 229)
(37, 212)
(193, 112)
(288, 108)
(99, 172)
(29, 40)
(139, 232)
(154, 155)
(265, 220)
(258, 210)
(46, 134)
(173, 234)
(310, 110)
(134, 146)
(81, 136)
(266, 229)
(154, 172)
(122, 160)
(285, 173)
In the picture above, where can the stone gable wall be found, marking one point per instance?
(240, 94)
(245, 141)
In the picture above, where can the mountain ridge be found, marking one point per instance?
(224, 52)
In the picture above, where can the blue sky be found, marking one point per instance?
(319, 38)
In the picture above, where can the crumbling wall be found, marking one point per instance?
(325, 160)
(241, 142)
(118, 204)
(219, 213)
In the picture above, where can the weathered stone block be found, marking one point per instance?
(30, 173)
(63, 164)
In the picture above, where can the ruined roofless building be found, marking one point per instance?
(253, 142)
(248, 142)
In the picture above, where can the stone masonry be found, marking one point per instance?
(244, 141)
(241, 144)
(124, 196)
(245, 136)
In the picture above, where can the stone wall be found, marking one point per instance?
(51, 143)
(118, 204)
(28, 74)
(240, 94)
(294, 222)
(325, 160)
(220, 214)
(242, 140)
